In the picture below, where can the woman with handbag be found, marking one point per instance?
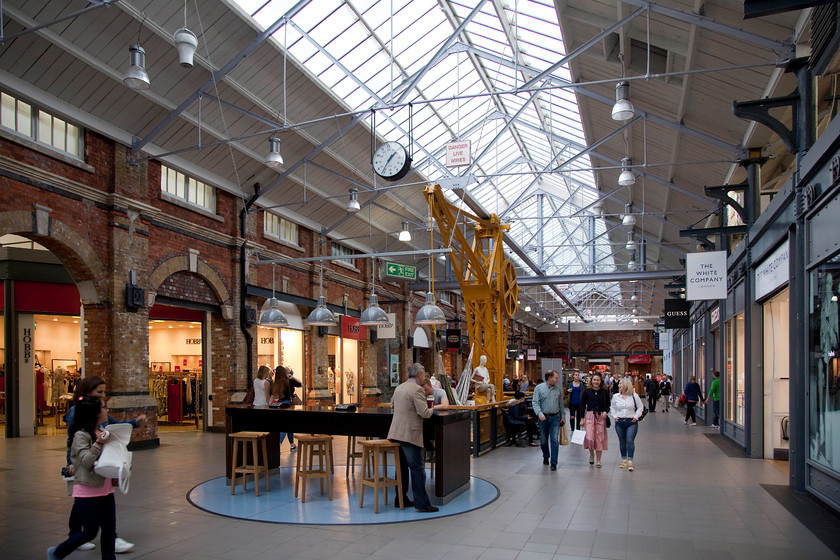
(595, 405)
(93, 494)
(284, 392)
(626, 409)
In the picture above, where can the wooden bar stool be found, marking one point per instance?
(310, 447)
(241, 439)
(352, 454)
(374, 457)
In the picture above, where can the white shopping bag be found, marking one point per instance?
(115, 460)
(577, 437)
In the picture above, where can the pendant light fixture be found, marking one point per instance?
(631, 242)
(623, 109)
(626, 178)
(186, 42)
(353, 203)
(629, 220)
(321, 316)
(430, 313)
(373, 316)
(274, 159)
(405, 235)
(273, 316)
(136, 76)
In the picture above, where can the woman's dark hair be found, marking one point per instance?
(86, 416)
(282, 389)
(86, 385)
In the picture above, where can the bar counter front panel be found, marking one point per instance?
(451, 429)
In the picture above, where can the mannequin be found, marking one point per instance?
(481, 377)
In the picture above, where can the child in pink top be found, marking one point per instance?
(93, 494)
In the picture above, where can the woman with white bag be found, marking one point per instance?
(93, 494)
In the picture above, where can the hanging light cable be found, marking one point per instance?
(273, 316)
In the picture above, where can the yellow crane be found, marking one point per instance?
(487, 278)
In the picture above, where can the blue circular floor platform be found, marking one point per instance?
(279, 505)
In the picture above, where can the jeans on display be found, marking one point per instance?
(626, 430)
(411, 460)
(716, 412)
(94, 514)
(689, 411)
(550, 427)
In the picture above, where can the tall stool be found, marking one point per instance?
(374, 457)
(352, 455)
(240, 440)
(310, 447)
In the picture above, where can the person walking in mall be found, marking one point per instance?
(692, 397)
(596, 405)
(409, 408)
(626, 408)
(548, 407)
(575, 411)
(665, 392)
(714, 394)
(652, 392)
(93, 386)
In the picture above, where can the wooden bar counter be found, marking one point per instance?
(451, 429)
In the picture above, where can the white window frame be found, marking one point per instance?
(339, 250)
(191, 191)
(30, 122)
(280, 228)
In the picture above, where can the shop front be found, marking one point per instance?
(284, 346)
(343, 356)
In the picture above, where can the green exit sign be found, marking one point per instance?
(401, 271)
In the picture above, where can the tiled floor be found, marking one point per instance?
(686, 500)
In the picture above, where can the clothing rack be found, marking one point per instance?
(178, 396)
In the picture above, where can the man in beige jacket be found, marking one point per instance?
(409, 409)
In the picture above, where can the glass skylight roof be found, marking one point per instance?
(374, 53)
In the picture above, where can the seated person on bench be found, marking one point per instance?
(518, 416)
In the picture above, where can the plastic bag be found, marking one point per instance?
(115, 460)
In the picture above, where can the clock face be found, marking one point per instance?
(391, 161)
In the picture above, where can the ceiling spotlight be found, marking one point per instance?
(635, 311)
(635, 321)
(623, 109)
(274, 159)
(626, 178)
(136, 76)
(527, 309)
(634, 297)
(405, 235)
(629, 219)
(353, 203)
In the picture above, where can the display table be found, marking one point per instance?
(451, 429)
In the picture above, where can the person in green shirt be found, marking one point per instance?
(714, 394)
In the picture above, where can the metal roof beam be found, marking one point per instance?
(550, 281)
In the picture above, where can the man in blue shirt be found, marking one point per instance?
(548, 406)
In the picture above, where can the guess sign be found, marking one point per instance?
(350, 328)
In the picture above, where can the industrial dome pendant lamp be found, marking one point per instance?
(430, 314)
(273, 316)
(373, 316)
(321, 316)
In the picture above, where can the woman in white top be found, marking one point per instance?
(262, 391)
(626, 409)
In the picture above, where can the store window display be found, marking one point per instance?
(824, 429)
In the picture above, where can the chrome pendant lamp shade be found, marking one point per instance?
(273, 316)
(321, 316)
(623, 109)
(626, 178)
(373, 316)
(136, 76)
(274, 159)
(353, 203)
(186, 42)
(430, 314)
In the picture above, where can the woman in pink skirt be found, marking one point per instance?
(595, 404)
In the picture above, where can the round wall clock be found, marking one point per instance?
(391, 161)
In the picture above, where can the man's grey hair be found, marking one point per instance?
(414, 370)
